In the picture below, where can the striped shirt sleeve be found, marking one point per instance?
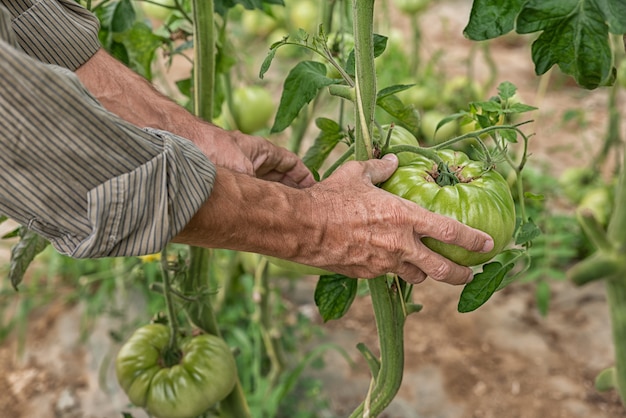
(59, 32)
(88, 181)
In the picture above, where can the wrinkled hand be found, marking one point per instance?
(254, 156)
(379, 232)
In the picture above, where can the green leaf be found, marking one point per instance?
(479, 290)
(575, 37)
(123, 16)
(141, 44)
(3, 218)
(334, 295)
(527, 232)
(506, 90)
(302, 85)
(330, 135)
(267, 62)
(407, 116)
(23, 253)
(575, 33)
(380, 44)
(492, 18)
(519, 108)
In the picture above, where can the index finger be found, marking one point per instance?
(450, 231)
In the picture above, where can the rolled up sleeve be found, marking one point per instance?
(59, 32)
(88, 181)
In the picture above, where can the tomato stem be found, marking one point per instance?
(172, 345)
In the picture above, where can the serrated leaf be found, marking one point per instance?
(519, 108)
(575, 33)
(492, 18)
(302, 85)
(407, 116)
(267, 62)
(23, 253)
(334, 295)
(527, 232)
(485, 283)
(330, 135)
(506, 90)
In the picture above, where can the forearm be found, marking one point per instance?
(129, 95)
(248, 214)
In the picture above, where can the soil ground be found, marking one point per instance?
(501, 361)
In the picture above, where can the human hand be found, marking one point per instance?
(378, 232)
(252, 155)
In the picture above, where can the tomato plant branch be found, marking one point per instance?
(263, 316)
(204, 56)
(426, 152)
(169, 303)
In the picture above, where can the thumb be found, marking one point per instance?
(380, 170)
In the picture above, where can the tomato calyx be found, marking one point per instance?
(446, 175)
(170, 357)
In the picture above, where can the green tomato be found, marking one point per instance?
(205, 374)
(253, 107)
(576, 181)
(429, 123)
(599, 201)
(481, 199)
(303, 14)
(411, 7)
(157, 9)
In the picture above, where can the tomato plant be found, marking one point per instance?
(462, 189)
(175, 384)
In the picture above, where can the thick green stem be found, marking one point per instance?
(386, 302)
(204, 50)
(616, 295)
(385, 299)
(169, 303)
(201, 313)
(365, 74)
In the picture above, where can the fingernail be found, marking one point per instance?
(470, 278)
(488, 246)
(389, 157)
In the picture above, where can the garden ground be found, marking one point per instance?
(502, 361)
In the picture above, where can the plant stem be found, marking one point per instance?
(365, 75)
(385, 300)
(390, 325)
(169, 303)
(201, 312)
(204, 51)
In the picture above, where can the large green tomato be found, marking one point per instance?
(205, 374)
(481, 199)
(253, 107)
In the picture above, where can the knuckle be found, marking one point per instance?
(448, 232)
(441, 272)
